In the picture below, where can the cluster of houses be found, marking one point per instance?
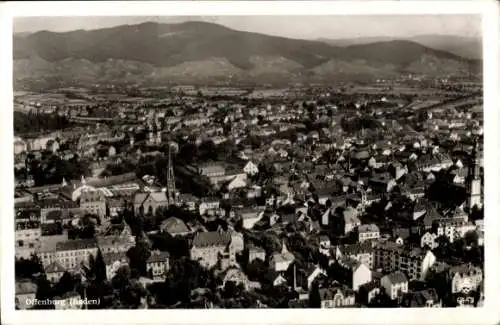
(324, 182)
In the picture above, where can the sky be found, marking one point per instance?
(304, 27)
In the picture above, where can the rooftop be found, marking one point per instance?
(211, 238)
(76, 244)
(368, 228)
(174, 226)
(158, 257)
(397, 277)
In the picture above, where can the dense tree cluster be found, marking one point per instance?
(28, 123)
(51, 169)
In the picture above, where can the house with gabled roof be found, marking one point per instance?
(54, 271)
(355, 273)
(158, 265)
(175, 227)
(465, 278)
(150, 202)
(395, 284)
(113, 261)
(282, 260)
(210, 248)
(336, 297)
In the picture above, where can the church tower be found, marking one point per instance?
(171, 191)
(474, 179)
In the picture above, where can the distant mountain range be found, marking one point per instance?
(200, 51)
(467, 47)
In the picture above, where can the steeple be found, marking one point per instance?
(171, 191)
(476, 160)
(474, 179)
(284, 249)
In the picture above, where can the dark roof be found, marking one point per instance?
(464, 269)
(54, 267)
(397, 277)
(370, 286)
(350, 263)
(111, 257)
(158, 257)
(419, 298)
(54, 215)
(211, 238)
(404, 233)
(329, 293)
(76, 244)
(357, 248)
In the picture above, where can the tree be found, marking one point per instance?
(471, 238)
(138, 255)
(382, 300)
(28, 268)
(232, 290)
(314, 296)
(121, 278)
(99, 267)
(66, 284)
(44, 291)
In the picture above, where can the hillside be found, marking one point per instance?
(194, 51)
(466, 47)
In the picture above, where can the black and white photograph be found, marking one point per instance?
(248, 162)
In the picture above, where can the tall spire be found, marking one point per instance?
(171, 191)
(474, 178)
(476, 158)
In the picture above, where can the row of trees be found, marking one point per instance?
(27, 123)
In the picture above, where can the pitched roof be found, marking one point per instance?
(140, 198)
(174, 226)
(159, 196)
(368, 228)
(54, 215)
(420, 298)
(465, 269)
(397, 277)
(283, 257)
(329, 293)
(404, 233)
(54, 267)
(350, 263)
(351, 215)
(211, 238)
(76, 244)
(370, 286)
(110, 258)
(158, 257)
(357, 248)
(112, 240)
